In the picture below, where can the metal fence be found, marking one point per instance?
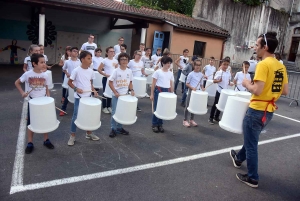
(294, 87)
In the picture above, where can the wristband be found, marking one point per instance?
(75, 89)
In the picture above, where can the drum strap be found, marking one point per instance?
(264, 118)
(80, 96)
(32, 98)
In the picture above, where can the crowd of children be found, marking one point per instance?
(79, 66)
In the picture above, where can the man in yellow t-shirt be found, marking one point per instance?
(269, 83)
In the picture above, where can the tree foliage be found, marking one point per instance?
(250, 2)
(181, 6)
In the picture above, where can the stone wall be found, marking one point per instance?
(244, 24)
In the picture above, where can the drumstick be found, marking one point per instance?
(208, 86)
(61, 110)
(54, 64)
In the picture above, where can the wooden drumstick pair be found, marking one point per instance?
(94, 92)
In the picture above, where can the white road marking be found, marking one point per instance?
(57, 182)
(287, 118)
(17, 175)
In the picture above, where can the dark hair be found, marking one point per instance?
(225, 60)
(197, 60)
(123, 45)
(185, 50)
(97, 49)
(143, 44)
(92, 35)
(252, 58)
(106, 50)
(165, 59)
(40, 45)
(135, 52)
(271, 41)
(123, 55)
(277, 55)
(246, 63)
(66, 55)
(228, 58)
(212, 58)
(158, 49)
(73, 48)
(121, 37)
(35, 58)
(166, 52)
(84, 54)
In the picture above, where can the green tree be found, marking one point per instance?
(181, 6)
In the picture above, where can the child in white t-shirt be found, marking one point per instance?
(106, 68)
(123, 48)
(97, 59)
(222, 78)
(37, 82)
(194, 82)
(146, 59)
(63, 59)
(33, 49)
(120, 83)
(42, 49)
(137, 68)
(162, 82)
(81, 81)
(209, 70)
(68, 68)
(240, 76)
(155, 57)
(181, 62)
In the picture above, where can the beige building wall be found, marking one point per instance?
(150, 33)
(185, 40)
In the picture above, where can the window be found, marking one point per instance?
(199, 48)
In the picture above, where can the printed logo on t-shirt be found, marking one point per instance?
(38, 83)
(90, 48)
(278, 81)
(122, 83)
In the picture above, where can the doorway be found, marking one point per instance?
(294, 49)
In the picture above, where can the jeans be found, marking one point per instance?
(114, 125)
(106, 102)
(185, 90)
(214, 108)
(177, 80)
(66, 101)
(252, 127)
(187, 105)
(156, 121)
(64, 90)
(76, 104)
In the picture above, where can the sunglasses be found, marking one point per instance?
(266, 40)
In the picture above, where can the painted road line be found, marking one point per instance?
(287, 118)
(57, 182)
(17, 176)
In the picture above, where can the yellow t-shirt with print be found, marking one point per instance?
(273, 74)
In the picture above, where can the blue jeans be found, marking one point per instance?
(66, 101)
(105, 102)
(64, 90)
(252, 127)
(114, 125)
(177, 80)
(185, 90)
(76, 104)
(156, 121)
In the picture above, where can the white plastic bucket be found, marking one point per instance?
(225, 93)
(42, 115)
(65, 83)
(182, 78)
(198, 102)
(71, 95)
(49, 73)
(211, 88)
(244, 94)
(139, 86)
(97, 82)
(108, 92)
(89, 113)
(166, 106)
(231, 87)
(149, 72)
(126, 110)
(234, 113)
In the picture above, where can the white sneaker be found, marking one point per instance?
(71, 140)
(92, 136)
(109, 109)
(147, 96)
(105, 110)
